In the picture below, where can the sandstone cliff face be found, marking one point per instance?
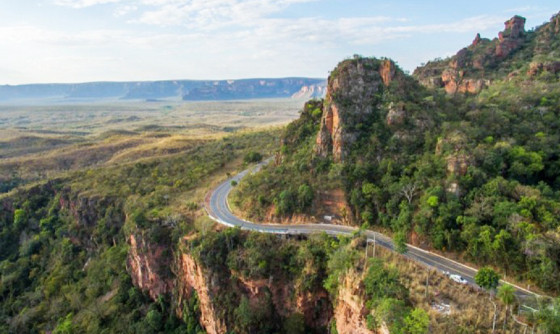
(192, 278)
(536, 68)
(315, 307)
(352, 93)
(350, 312)
(145, 263)
(454, 147)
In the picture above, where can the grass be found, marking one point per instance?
(471, 308)
(38, 142)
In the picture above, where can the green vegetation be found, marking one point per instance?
(487, 278)
(42, 142)
(64, 251)
(474, 174)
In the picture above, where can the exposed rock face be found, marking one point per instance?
(387, 71)
(464, 72)
(350, 312)
(352, 94)
(315, 307)
(515, 28)
(191, 278)
(396, 115)
(453, 82)
(512, 37)
(458, 164)
(145, 262)
(538, 67)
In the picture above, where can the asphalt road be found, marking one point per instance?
(218, 209)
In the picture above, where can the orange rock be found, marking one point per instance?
(192, 278)
(144, 261)
(387, 71)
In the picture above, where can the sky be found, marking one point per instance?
(46, 41)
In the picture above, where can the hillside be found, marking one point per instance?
(514, 53)
(472, 175)
(188, 90)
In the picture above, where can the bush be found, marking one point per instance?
(253, 157)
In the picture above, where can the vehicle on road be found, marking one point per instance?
(458, 279)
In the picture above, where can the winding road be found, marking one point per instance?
(218, 209)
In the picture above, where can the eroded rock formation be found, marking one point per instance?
(353, 92)
(145, 264)
(191, 278)
(465, 72)
(350, 312)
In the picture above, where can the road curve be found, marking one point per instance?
(217, 207)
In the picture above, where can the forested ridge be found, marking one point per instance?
(472, 173)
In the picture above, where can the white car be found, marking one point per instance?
(458, 279)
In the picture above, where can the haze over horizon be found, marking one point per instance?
(67, 41)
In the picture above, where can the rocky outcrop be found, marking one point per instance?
(511, 38)
(476, 40)
(536, 68)
(353, 93)
(350, 312)
(396, 115)
(145, 264)
(465, 72)
(458, 164)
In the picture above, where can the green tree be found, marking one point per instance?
(399, 240)
(487, 278)
(65, 325)
(20, 218)
(305, 196)
(154, 319)
(286, 202)
(294, 324)
(381, 282)
(433, 201)
(417, 322)
(549, 317)
(506, 293)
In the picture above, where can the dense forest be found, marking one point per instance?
(64, 244)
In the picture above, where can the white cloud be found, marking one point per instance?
(210, 14)
(83, 3)
(124, 10)
(524, 9)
